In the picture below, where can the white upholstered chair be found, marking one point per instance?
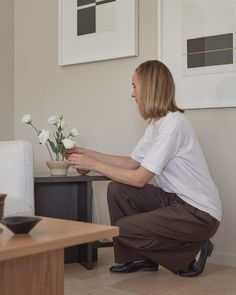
(16, 177)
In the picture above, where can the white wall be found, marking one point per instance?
(7, 69)
(95, 97)
(215, 129)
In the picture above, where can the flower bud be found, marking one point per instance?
(27, 119)
(68, 143)
(74, 132)
(61, 124)
(43, 136)
(53, 120)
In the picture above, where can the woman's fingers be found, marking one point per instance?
(78, 161)
(74, 159)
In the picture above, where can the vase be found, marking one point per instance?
(58, 168)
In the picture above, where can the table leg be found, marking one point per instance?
(40, 274)
(85, 212)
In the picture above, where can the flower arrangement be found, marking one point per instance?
(60, 143)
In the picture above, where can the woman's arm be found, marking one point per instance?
(138, 176)
(119, 161)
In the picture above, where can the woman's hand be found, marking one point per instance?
(81, 162)
(75, 150)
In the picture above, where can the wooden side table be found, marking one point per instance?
(68, 197)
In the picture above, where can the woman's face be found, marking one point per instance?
(136, 88)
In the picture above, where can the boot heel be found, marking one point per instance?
(210, 248)
(197, 267)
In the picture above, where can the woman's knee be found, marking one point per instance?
(129, 229)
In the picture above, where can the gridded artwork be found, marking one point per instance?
(95, 16)
(203, 58)
(210, 51)
(94, 30)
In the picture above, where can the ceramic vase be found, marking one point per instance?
(58, 168)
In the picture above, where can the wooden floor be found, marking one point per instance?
(216, 280)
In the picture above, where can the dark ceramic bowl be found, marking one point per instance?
(2, 200)
(20, 224)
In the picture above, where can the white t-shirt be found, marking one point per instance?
(170, 149)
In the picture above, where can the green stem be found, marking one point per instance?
(35, 128)
(49, 152)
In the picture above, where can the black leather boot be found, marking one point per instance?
(197, 267)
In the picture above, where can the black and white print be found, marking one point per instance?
(210, 51)
(95, 16)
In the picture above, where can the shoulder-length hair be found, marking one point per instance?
(157, 96)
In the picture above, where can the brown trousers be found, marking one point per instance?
(157, 225)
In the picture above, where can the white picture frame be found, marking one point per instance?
(208, 86)
(119, 40)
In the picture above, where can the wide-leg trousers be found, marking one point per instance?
(157, 225)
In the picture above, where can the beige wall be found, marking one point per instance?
(7, 69)
(215, 130)
(95, 97)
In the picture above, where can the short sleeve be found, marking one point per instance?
(142, 147)
(161, 142)
(164, 148)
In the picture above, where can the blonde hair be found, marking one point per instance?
(157, 96)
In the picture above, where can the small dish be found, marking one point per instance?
(82, 172)
(2, 200)
(20, 224)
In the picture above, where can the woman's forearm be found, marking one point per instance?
(137, 177)
(118, 161)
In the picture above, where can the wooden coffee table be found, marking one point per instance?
(34, 263)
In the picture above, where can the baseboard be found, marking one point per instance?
(223, 259)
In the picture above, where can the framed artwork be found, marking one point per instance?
(93, 30)
(196, 40)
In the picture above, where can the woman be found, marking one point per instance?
(168, 223)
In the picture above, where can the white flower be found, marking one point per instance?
(43, 136)
(53, 119)
(59, 141)
(74, 132)
(61, 124)
(68, 143)
(27, 119)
